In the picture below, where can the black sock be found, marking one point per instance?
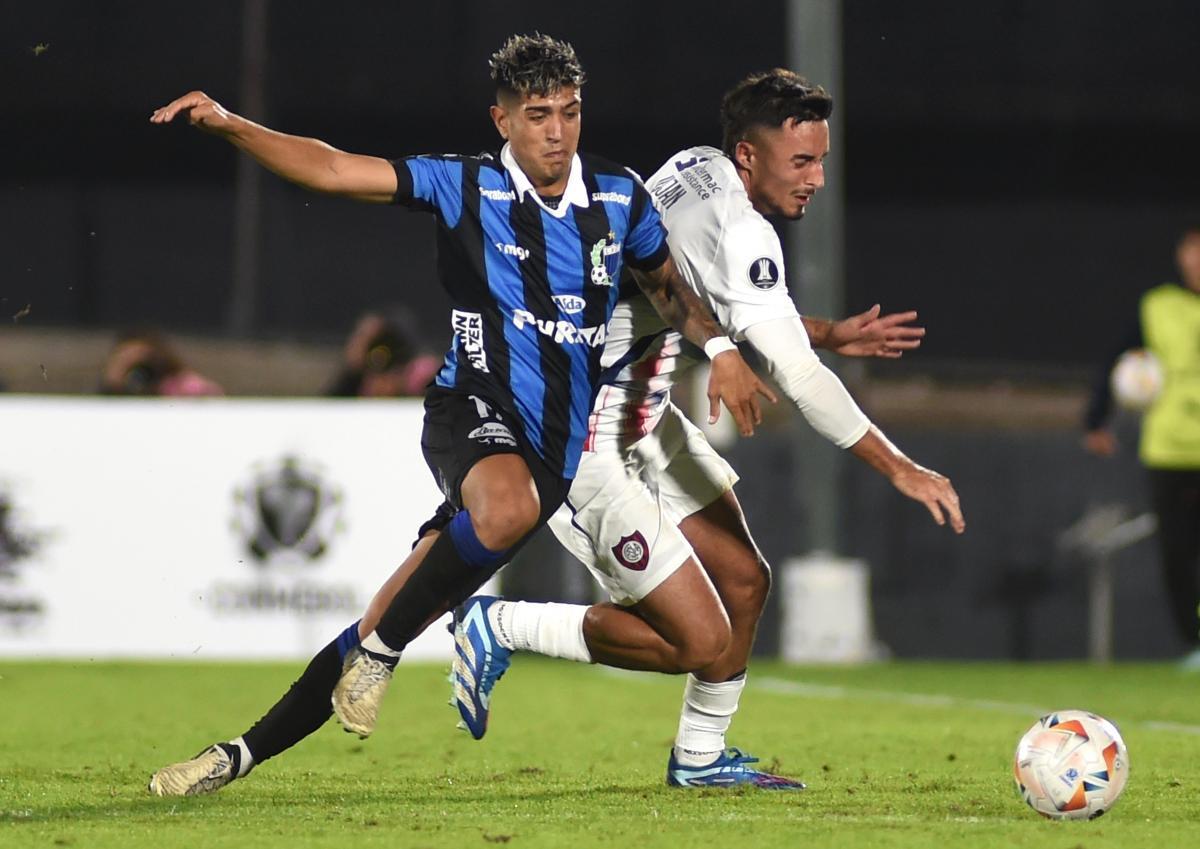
(302, 710)
(442, 581)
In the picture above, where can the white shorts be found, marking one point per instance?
(621, 517)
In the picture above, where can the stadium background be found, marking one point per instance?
(1017, 171)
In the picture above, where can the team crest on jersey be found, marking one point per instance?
(764, 273)
(632, 552)
(605, 255)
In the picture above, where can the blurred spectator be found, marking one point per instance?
(1169, 327)
(383, 360)
(143, 363)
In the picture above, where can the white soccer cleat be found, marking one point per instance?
(359, 692)
(209, 771)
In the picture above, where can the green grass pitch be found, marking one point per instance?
(897, 755)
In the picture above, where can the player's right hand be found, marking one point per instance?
(203, 112)
(934, 491)
(735, 384)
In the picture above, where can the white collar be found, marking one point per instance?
(575, 193)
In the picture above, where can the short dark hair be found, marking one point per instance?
(535, 64)
(768, 99)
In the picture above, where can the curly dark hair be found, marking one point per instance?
(768, 99)
(535, 64)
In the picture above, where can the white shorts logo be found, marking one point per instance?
(468, 329)
(492, 433)
(632, 552)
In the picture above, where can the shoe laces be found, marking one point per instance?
(737, 758)
(738, 761)
(371, 672)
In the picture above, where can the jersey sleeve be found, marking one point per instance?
(746, 283)
(430, 183)
(646, 243)
(814, 389)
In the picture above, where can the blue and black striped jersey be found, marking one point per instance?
(532, 286)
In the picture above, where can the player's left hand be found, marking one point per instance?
(870, 334)
(733, 382)
(934, 491)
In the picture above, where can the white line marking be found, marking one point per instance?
(942, 700)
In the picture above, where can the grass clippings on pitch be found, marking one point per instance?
(899, 755)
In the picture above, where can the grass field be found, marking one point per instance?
(899, 755)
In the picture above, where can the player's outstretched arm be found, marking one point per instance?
(917, 482)
(307, 162)
(783, 344)
(867, 334)
(731, 381)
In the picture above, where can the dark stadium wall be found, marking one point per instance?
(1007, 159)
(1005, 589)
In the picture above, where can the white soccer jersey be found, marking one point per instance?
(732, 258)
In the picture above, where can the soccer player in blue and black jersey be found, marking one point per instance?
(531, 243)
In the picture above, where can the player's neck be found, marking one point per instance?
(744, 176)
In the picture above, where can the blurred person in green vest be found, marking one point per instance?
(1169, 328)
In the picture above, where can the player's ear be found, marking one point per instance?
(743, 154)
(500, 119)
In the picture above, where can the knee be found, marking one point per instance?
(744, 589)
(702, 646)
(505, 518)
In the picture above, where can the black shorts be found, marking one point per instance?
(460, 430)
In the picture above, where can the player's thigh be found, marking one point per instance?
(686, 611)
(613, 524)
(696, 489)
(729, 555)
(459, 431)
(482, 462)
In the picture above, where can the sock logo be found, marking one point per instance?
(632, 552)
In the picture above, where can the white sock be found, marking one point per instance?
(707, 711)
(555, 630)
(246, 762)
(372, 643)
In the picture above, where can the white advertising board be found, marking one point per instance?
(203, 528)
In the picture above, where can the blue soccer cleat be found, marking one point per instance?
(479, 661)
(732, 769)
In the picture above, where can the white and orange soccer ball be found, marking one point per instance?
(1136, 379)
(1071, 765)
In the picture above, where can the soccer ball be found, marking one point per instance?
(1136, 379)
(1071, 765)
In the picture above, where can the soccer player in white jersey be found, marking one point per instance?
(652, 512)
